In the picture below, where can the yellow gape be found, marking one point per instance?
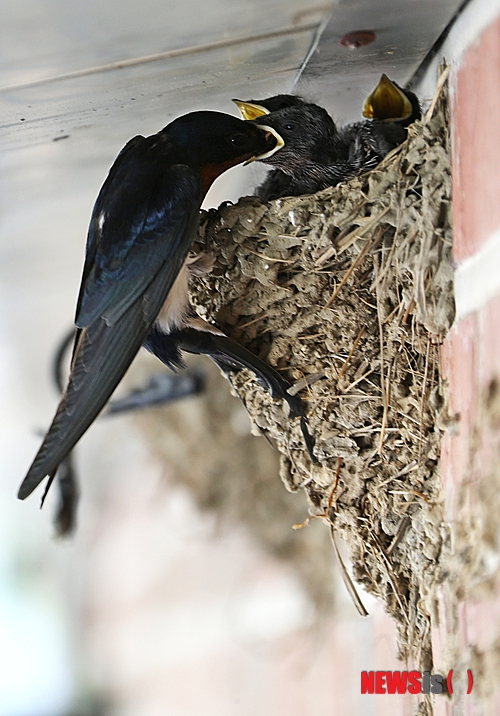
(387, 102)
(248, 110)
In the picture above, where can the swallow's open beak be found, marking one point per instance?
(249, 110)
(387, 102)
(269, 131)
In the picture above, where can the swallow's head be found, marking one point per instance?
(213, 142)
(308, 133)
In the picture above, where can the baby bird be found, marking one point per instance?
(317, 154)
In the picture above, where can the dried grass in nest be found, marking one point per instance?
(349, 293)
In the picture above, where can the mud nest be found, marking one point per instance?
(349, 293)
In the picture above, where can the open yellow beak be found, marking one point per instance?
(279, 143)
(248, 110)
(387, 102)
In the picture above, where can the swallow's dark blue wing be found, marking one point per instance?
(134, 255)
(138, 202)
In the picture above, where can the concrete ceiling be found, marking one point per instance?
(404, 32)
(96, 71)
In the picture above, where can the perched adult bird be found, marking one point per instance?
(317, 153)
(135, 271)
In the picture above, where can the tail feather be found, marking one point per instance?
(101, 357)
(94, 377)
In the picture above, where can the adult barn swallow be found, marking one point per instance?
(317, 153)
(141, 229)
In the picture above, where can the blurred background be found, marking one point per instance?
(162, 603)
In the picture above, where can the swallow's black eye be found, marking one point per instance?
(289, 127)
(240, 141)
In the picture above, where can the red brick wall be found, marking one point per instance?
(476, 140)
(467, 630)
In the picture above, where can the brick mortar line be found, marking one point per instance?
(477, 278)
